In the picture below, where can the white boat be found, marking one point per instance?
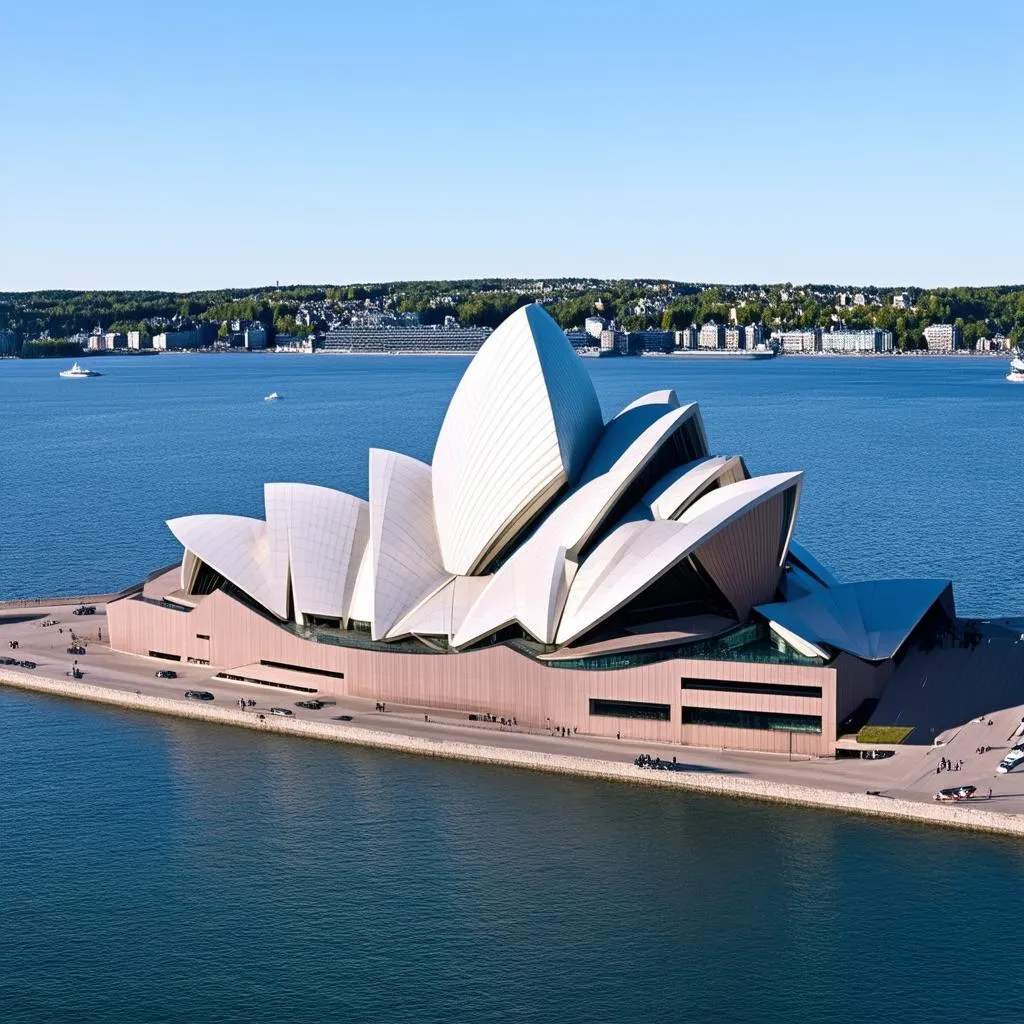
(272, 397)
(1016, 370)
(79, 372)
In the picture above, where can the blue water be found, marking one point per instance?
(913, 466)
(156, 870)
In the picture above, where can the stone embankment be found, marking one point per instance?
(950, 815)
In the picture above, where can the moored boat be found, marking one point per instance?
(77, 372)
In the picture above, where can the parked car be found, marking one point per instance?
(956, 793)
(281, 711)
(166, 673)
(344, 718)
(76, 649)
(199, 695)
(1014, 757)
(27, 664)
(311, 705)
(85, 609)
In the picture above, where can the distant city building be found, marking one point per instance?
(687, 338)
(711, 335)
(581, 340)
(860, 299)
(853, 340)
(798, 341)
(594, 325)
(138, 340)
(734, 338)
(115, 340)
(844, 299)
(754, 335)
(651, 341)
(901, 300)
(177, 341)
(9, 343)
(943, 337)
(999, 343)
(614, 343)
(255, 337)
(405, 339)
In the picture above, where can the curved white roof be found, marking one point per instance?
(405, 556)
(239, 548)
(519, 427)
(674, 493)
(640, 551)
(327, 533)
(531, 586)
(436, 615)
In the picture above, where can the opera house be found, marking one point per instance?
(613, 577)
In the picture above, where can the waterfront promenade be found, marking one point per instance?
(905, 783)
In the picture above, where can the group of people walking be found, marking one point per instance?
(945, 765)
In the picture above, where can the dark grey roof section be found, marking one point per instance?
(870, 620)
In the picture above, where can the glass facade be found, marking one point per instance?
(752, 642)
(768, 720)
(766, 689)
(630, 709)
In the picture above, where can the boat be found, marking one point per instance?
(272, 397)
(1016, 373)
(79, 372)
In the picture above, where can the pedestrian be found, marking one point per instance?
(426, 718)
(618, 735)
(990, 792)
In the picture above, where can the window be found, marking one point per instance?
(302, 668)
(630, 709)
(768, 689)
(202, 636)
(769, 720)
(166, 657)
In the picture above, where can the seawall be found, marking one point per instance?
(948, 815)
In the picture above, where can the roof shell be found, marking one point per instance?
(870, 620)
(520, 426)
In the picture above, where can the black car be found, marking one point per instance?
(27, 664)
(198, 694)
(311, 705)
(75, 649)
(166, 673)
(344, 718)
(85, 609)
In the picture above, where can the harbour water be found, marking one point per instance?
(161, 870)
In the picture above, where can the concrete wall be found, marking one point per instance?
(497, 680)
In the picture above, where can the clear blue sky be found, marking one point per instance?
(206, 144)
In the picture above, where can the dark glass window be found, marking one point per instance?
(767, 689)
(302, 668)
(769, 720)
(202, 636)
(630, 709)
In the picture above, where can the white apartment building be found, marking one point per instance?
(853, 341)
(687, 338)
(943, 337)
(798, 341)
(711, 335)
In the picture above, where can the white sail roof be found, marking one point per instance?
(640, 550)
(406, 558)
(531, 586)
(327, 532)
(239, 548)
(519, 427)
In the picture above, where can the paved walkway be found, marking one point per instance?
(910, 774)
